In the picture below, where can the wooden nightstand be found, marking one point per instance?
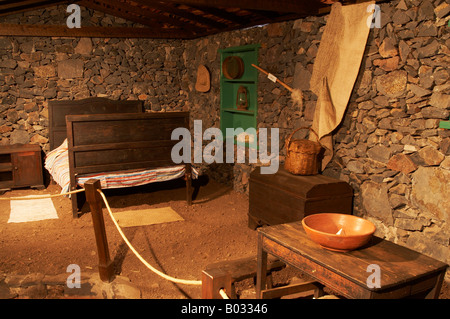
(20, 166)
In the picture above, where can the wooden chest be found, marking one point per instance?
(20, 166)
(283, 197)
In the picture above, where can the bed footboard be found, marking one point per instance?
(102, 143)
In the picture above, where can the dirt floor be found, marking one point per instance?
(214, 229)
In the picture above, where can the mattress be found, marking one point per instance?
(57, 164)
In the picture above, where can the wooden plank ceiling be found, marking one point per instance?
(174, 19)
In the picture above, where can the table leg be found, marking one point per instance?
(434, 293)
(261, 272)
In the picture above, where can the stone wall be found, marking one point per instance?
(34, 70)
(388, 148)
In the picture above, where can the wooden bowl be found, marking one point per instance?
(338, 232)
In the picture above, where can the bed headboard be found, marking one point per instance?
(110, 142)
(95, 105)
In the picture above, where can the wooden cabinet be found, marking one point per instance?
(20, 166)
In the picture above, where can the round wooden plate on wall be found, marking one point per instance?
(233, 67)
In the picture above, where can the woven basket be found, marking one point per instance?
(302, 156)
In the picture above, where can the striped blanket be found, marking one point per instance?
(57, 164)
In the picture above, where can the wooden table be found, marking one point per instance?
(403, 272)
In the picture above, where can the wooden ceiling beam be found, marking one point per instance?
(117, 13)
(169, 19)
(266, 14)
(8, 5)
(13, 7)
(27, 30)
(289, 6)
(193, 18)
(223, 14)
(137, 14)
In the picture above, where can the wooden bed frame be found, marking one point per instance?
(57, 111)
(102, 143)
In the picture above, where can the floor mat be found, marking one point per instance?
(30, 210)
(142, 217)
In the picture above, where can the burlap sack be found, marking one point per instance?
(336, 68)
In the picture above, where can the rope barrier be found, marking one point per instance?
(156, 271)
(42, 196)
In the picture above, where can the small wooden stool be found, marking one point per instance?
(243, 268)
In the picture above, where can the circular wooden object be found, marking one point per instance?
(233, 67)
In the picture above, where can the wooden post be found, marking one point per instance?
(213, 280)
(188, 177)
(105, 265)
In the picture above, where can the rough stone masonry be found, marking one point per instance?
(389, 146)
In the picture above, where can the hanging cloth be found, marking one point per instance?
(336, 68)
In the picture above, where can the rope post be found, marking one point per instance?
(213, 280)
(93, 197)
(188, 177)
